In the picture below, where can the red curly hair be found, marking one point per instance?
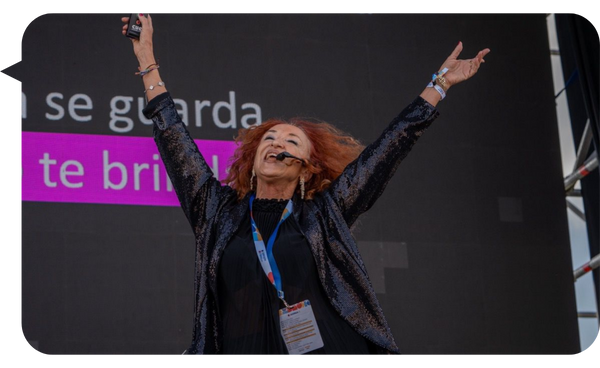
(331, 151)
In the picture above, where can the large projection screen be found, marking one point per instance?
(467, 250)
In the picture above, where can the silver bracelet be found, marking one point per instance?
(151, 87)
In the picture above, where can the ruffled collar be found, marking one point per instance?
(269, 205)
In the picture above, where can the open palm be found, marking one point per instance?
(461, 70)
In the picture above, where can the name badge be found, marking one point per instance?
(299, 328)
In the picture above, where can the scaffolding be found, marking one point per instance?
(574, 56)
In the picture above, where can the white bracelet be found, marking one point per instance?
(437, 88)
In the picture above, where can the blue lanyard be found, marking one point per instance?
(265, 256)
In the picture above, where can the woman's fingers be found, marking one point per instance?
(475, 63)
(145, 20)
(126, 21)
(482, 54)
(146, 24)
(457, 50)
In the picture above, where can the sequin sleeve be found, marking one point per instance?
(363, 180)
(193, 180)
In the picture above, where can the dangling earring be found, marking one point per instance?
(302, 187)
(252, 180)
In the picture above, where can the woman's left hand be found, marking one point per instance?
(461, 70)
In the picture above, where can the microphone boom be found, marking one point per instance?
(283, 155)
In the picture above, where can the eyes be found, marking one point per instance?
(292, 141)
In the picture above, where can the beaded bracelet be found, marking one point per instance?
(141, 73)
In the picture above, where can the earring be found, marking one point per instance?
(302, 187)
(252, 180)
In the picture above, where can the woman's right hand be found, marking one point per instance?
(142, 48)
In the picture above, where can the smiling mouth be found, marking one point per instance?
(271, 157)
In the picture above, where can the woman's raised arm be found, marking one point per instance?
(192, 178)
(144, 51)
(457, 71)
(364, 180)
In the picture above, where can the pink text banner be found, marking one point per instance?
(80, 168)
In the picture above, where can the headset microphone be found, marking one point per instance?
(283, 155)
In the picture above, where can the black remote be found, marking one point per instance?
(134, 28)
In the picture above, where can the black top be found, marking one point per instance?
(215, 213)
(248, 302)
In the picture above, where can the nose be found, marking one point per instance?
(276, 143)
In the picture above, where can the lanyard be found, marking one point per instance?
(265, 256)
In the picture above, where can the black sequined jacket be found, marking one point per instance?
(214, 213)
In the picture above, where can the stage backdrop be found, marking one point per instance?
(468, 249)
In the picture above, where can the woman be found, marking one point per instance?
(279, 233)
